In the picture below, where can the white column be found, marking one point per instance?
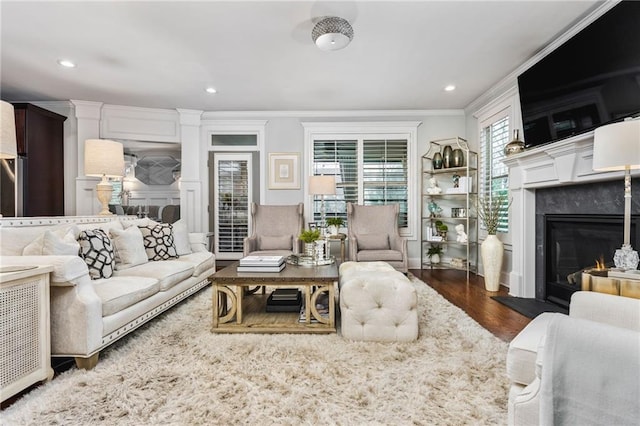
(88, 121)
(193, 172)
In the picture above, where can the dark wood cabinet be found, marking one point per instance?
(40, 139)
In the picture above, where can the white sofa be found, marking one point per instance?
(583, 368)
(377, 303)
(89, 314)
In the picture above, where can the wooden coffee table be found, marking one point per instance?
(235, 310)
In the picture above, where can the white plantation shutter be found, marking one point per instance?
(384, 174)
(494, 175)
(367, 171)
(232, 195)
(336, 158)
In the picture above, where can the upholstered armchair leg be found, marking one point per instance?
(87, 363)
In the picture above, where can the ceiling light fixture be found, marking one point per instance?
(66, 63)
(332, 33)
(211, 90)
(450, 88)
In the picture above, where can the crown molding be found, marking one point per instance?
(333, 114)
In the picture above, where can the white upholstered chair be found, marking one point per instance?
(582, 368)
(373, 235)
(274, 230)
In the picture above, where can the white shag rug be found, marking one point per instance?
(174, 371)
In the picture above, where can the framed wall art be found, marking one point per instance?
(284, 170)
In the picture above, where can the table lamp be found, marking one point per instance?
(322, 185)
(617, 147)
(103, 158)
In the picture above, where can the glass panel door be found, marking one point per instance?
(232, 195)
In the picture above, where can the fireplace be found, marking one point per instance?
(557, 178)
(575, 242)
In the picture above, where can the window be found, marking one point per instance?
(369, 167)
(384, 174)
(494, 175)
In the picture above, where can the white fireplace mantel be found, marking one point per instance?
(568, 162)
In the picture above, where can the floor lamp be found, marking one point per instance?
(617, 147)
(322, 185)
(103, 158)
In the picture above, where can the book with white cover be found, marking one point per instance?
(262, 261)
(267, 268)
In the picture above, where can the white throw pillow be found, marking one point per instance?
(53, 245)
(181, 237)
(128, 247)
(136, 222)
(36, 247)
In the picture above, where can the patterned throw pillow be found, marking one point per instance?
(97, 252)
(158, 241)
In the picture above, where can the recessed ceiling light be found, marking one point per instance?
(450, 88)
(66, 63)
(211, 90)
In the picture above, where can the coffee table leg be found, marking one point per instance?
(307, 303)
(214, 303)
(239, 299)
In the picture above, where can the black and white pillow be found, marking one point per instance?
(97, 252)
(158, 241)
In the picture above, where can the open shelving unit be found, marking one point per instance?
(458, 190)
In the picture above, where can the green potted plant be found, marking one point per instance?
(442, 229)
(434, 253)
(334, 224)
(309, 237)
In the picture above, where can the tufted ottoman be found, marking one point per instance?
(377, 303)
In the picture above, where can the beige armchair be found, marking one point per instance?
(275, 230)
(373, 235)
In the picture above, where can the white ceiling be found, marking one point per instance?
(259, 55)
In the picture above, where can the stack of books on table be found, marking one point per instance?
(284, 300)
(261, 264)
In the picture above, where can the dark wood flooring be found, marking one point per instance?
(472, 297)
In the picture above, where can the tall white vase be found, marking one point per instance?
(492, 251)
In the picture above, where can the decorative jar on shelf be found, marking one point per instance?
(437, 161)
(447, 156)
(457, 158)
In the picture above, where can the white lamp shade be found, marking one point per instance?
(322, 185)
(103, 158)
(617, 146)
(8, 147)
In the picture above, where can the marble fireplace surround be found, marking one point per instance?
(561, 178)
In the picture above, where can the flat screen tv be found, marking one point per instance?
(590, 80)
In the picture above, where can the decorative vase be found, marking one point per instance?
(516, 146)
(434, 259)
(333, 229)
(319, 250)
(457, 158)
(447, 156)
(492, 251)
(437, 161)
(310, 250)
